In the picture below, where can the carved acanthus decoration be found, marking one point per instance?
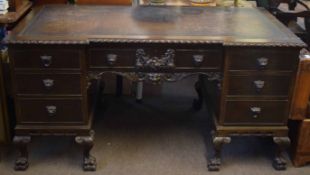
(157, 78)
(145, 61)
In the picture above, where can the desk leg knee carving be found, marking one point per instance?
(89, 162)
(21, 162)
(279, 162)
(197, 103)
(215, 162)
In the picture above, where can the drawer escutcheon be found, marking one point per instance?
(259, 85)
(256, 111)
(262, 62)
(46, 60)
(111, 59)
(48, 83)
(198, 60)
(51, 110)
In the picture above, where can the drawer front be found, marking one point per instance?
(112, 58)
(204, 59)
(255, 85)
(256, 112)
(50, 111)
(262, 59)
(48, 84)
(46, 59)
(155, 58)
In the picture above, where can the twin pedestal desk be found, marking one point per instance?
(246, 61)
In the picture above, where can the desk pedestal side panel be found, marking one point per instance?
(253, 98)
(51, 96)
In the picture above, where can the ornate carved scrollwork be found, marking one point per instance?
(157, 78)
(144, 61)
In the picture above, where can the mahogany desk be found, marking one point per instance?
(57, 50)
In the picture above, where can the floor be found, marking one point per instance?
(161, 136)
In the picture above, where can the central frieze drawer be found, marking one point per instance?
(48, 84)
(256, 112)
(50, 111)
(156, 59)
(262, 59)
(271, 85)
(46, 59)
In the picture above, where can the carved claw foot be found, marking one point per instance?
(89, 163)
(214, 164)
(279, 162)
(21, 162)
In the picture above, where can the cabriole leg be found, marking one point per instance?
(89, 162)
(279, 162)
(21, 142)
(215, 162)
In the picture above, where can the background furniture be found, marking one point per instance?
(18, 8)
(300, 115)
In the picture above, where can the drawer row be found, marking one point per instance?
(249, 59)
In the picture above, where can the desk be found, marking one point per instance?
(57, 50)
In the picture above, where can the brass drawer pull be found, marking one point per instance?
(46, 60)
(111, 59)
(256, 111)
(262, 62)
(48, 83)
(259, 85)
(198, 60)
(51, 110)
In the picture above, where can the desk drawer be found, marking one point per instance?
(256, 112)
(272, 85)
(48, 84)
(46, 59)
(204, 59)
(50, 111)
(183, 59)
(262, 59)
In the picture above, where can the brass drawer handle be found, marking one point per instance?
(111, 59)
(256, 111)
(198, 60)
(46, 60)
(51, 110)
(259, 85)
(262, 62)
(48, 83)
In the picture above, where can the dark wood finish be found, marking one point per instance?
(259, 84)
(36, 112)
(300, 124)
(58, 59)
(245, 116)
(157, 44)
(15, 14)
(278, 59)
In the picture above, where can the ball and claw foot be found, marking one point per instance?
(214, 164)
(279, 163)
(89, 163)
(21, 164)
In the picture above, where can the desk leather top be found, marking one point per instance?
(83, 24)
